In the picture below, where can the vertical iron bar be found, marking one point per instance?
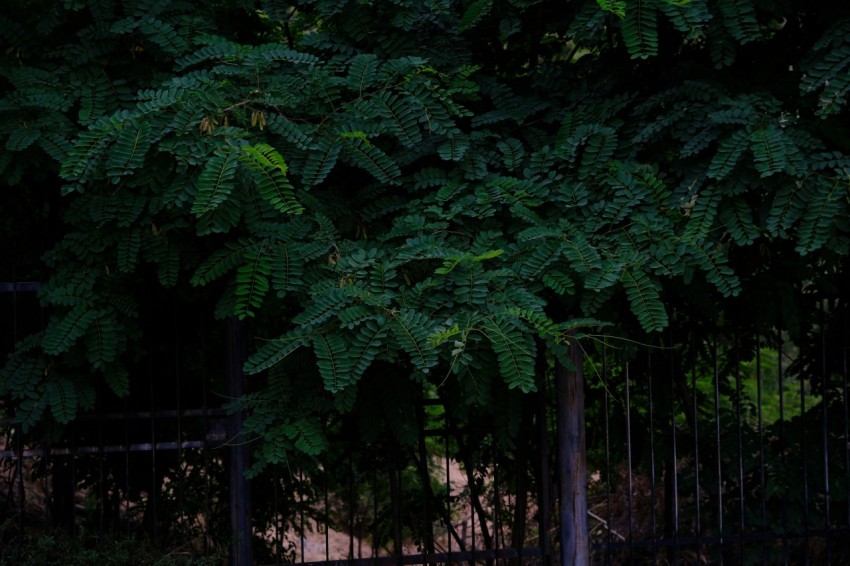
(15, 437)
(395, 503)
(760, 425)
(824, 401)
(674, 463)
(14, 309)
(496, 526)
(101, 477)
(150, 507)
(72, 486)
(805, 460)
(180, 477)
(375, 538)
(471, 476)
(206, 445)
(572, 466)
(844, 348)
(301, 509)
(327, 518)
(718, 454)
(240, 494)
(739, 427)
(351, 499)
(427, 531)
(544, 488)
(278, 545)
(630, 478)
(127, 465)
(448, 477)
(607, 454)
(652, 479)
(695, 416)
(19, 464)
(780, 383)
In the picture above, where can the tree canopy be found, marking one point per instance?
(420, 189)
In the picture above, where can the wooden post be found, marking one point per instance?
(572, 464)
(240, 489)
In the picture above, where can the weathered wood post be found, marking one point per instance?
(240, 489)
(572, 464)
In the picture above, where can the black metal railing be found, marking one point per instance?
(702, 446)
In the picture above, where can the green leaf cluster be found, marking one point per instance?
(426, 191)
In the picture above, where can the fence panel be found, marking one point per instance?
(720, 448)
(702, 447)
(150, 463)
(445, 495)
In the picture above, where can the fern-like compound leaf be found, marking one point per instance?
(640, 32)
(539, 256)
(163, 35)
(826, 206)
(711, 260)
(367, 345)
(474, 13)
(87, 153)
(117, 378)
(269, 53)
(739, 17)
(769, 149)
(309, 437)
(293, 133)
(703, 211)
(268, 168)
(222, 261)
(512, 153)
(582, 256)
(728, 154)
(738, 219)
(21, 138)
(102, 340)
(559, 282)
(274, 351)
(787, 208)
(64, 331)
(515, 352)
(216, 182)
(827, 72)
(320, 161)
(252, 282)
(361, 72)
(323, 306)
(454, 148)
(369, 157)
(333, 362)
(62, 398)
(412, 330)
(643, 294)
(688, 17)
(402, 120)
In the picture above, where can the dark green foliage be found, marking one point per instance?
(640, 32)
(413, 191)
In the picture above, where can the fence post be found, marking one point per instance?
(240, 488)
(572, 465)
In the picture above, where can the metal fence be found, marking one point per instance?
(721, 448)
(699, 447)
(149, 463)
